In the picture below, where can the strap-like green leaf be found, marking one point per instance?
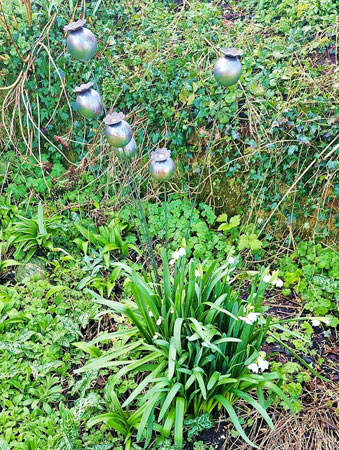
(170, 396)
(255, 404)
(179, 421)
(274, 388)
(144, 383)
(177, 334)
(233, 416)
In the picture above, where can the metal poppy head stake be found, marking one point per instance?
(81, 42)
(89, 102)
(227, 69)
(162, 166)
(117, 130)
(126, 152)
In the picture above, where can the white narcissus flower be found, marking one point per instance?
(197, 273)
(244, 319)
(253, 367)
(278, 283)
(230, 260)
(262, 364)
(172, 311)
(156, 336)
(158, 322)
(267, 278)
(315, 322)
(150, 313)
(175, 255)
(181, 251)
(251, 318)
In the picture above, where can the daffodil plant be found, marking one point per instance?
(199, 343)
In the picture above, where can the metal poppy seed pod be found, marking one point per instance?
(117, 130)
(81, 42)
(227, 69)
(162, 166)
(126, 152)
(89, 102)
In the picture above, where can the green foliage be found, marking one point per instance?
(36, 358)
(313, 272)
(170, 370)
(197, 343)
(30, 235)
(106, 240)
(293, 377)
(198, 424)
(269, 129)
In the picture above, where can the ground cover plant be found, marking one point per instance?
(215, 324)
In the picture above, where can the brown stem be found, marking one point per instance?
(28, 7)
(3, 18)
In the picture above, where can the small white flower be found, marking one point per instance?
(267, 278)
(158, 322)
(197, 273)
(150, 313)
(230, 260)
(181, 251)
(172, 262)
(278, 283)
(156, 336)
(254, 367)
(251, 318)
(315, 322)
(244, 319)
(175, 255)
(262, 364)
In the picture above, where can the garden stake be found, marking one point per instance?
(143, 221)
(166, 217)
(194, 203)
(97, 88)
(89, 102)
(81, 42)
(162, 169)
(227, 71)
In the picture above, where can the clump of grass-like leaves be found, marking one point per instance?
(196, 342)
